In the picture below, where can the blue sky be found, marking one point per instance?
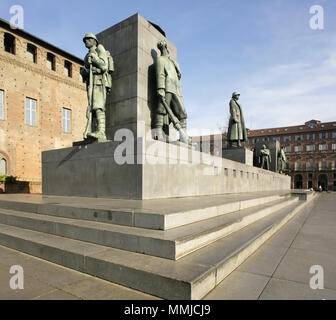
(265, 49)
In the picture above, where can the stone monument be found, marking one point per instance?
(131, 164)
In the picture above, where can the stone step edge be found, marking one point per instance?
(170, 249)
(212, 277)
(236, 258)
(141, 219)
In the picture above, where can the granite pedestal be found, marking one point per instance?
(242, 155)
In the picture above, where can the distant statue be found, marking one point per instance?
(98, 66)
(265, 158)
(236, 130)
(282, 160)
(170, 104)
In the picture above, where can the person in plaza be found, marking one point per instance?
(265, 158)
(236, 129)
(97, 73)
(170, 106)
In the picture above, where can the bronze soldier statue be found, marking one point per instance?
(236, 129)
(265, 158)
(98, 66)
(170, 105)
(282, 160)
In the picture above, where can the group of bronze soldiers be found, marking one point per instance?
(97, 70)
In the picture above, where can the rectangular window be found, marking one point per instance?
(323, 135)
(297, 148)
(310, 165)
(1, 105)
(311, 136)
(334, 134)
(298, 137)
(31, 52)
(287, 149)
(30, 112)
(333, 146)
(66, 120)
(276, 138)
(51, 61)
(287, 138)
(310, 147)
(68, 68)
(323, 147)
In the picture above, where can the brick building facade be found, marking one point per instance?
(310, 149)
(42, 101)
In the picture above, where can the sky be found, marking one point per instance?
(284, 70)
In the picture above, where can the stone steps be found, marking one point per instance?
(160, 214)
(171, 244)
(190, 277)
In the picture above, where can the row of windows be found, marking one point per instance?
(309, 137)
(311, 165)
(9, 46)
(31, 110)
(310, 148)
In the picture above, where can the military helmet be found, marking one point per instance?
(235, 94)
(90, 35)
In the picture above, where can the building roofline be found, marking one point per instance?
(25, 34)
(290, 129)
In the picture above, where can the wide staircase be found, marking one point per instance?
(171, 248)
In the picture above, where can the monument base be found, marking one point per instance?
(242, 155)
(149, 170)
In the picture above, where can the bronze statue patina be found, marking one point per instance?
(282, 160)
(265, 158)
(170, 105)
(98, 66)
(236, 130)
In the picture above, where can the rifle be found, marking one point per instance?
(177, 125)
(89, 107)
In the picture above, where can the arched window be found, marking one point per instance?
(3, 167)
(9, 43)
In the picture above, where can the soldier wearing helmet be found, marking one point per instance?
(97, 58)
(236, 131)
(168, 77)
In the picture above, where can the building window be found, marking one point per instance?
(1, 105)
(333, 147)
(310, 136)
(334, 134)
(9, 43)
(323, 147)
(287, 138)
(288, 149)
(66, 120)
(310, 147)
(68, 68)
(323, 135)
(3, 167)
(51, 61)
(276, 138)
(30, 112)
(323, 165)
(310, 165)
(298, 137)
(31, 52)
(298, 165)
(310, 176)
(297, 148)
